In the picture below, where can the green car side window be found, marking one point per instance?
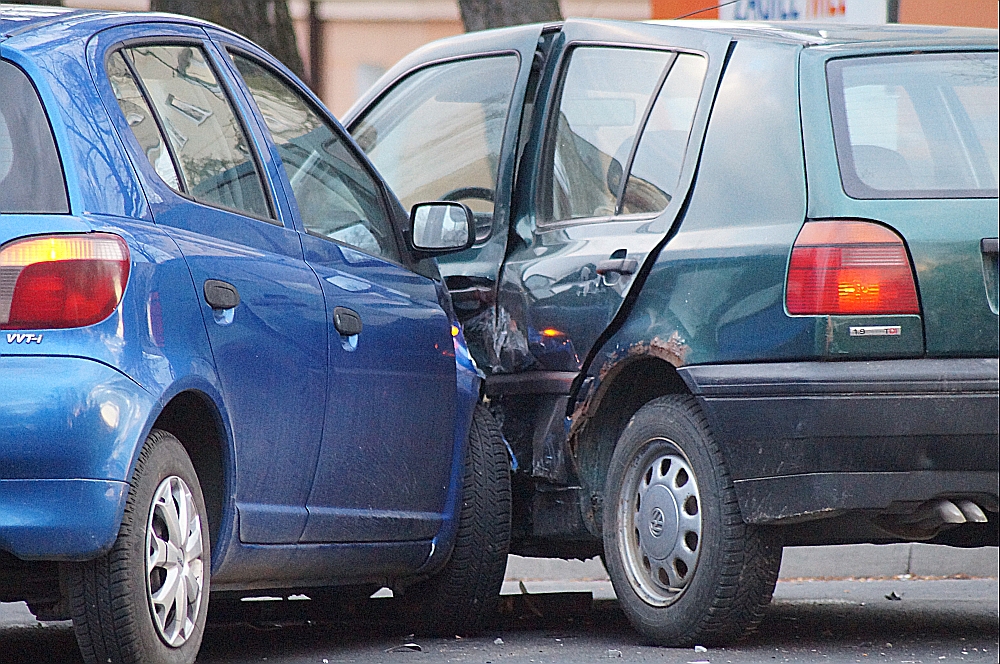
(437, 134)
(656, 165)
(609, 97)
(605, 92)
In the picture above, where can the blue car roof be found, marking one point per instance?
(15, 19)
(21, 20)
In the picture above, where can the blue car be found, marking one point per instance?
(227, 359)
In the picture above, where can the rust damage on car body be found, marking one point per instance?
(673, 350)
(590, 440)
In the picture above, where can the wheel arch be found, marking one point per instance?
(622, 388)
(193, 417)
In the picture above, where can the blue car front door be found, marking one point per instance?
(385, 463)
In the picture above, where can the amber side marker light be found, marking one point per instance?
(61, 281)
(847, 267)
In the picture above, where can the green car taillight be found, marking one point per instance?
(847, 267)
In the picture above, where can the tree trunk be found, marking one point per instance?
(266, 22)
(484, 14)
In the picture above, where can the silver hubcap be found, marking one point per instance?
(660, 510)
(175, 570)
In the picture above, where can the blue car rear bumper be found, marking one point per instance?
(69, 431)
(60, 519)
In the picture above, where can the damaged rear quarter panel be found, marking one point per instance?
(716, 289)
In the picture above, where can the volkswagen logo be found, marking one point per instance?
(656, 522)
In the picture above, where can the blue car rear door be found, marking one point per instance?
(211, 189)
(388, 447)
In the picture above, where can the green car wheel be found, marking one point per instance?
(685, 567)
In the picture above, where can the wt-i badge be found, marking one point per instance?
(19, 338)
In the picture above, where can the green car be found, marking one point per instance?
(734, 285)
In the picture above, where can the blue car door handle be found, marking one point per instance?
(347, 321)
(220, 294)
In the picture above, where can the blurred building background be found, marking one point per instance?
(356, 41)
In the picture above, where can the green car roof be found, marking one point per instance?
(822, 34)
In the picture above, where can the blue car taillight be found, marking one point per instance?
(61, 281)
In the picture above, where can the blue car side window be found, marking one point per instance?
(141, 120)
(336, 196)
(212, 158)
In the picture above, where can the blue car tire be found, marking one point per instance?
(685, 567)
(127, 605)
(464, 595)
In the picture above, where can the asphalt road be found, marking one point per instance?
(933, 621)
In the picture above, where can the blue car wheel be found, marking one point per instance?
(146, 600)
(463, 596)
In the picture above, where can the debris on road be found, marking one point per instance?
(406, 647)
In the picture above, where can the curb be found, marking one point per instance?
(797, 562)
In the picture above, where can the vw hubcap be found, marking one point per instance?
(175, 570)
(660, 511)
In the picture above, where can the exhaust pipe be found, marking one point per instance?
(972, 512)
(930, 518)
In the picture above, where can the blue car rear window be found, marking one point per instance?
(916, 125)
(31, 178)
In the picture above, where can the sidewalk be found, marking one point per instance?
(539, 575)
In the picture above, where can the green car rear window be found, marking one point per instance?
(31, 178)
(916, 125)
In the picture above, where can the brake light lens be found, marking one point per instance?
(61, 281)
(850, 268)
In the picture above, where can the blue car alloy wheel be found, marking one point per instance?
(163, 540)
